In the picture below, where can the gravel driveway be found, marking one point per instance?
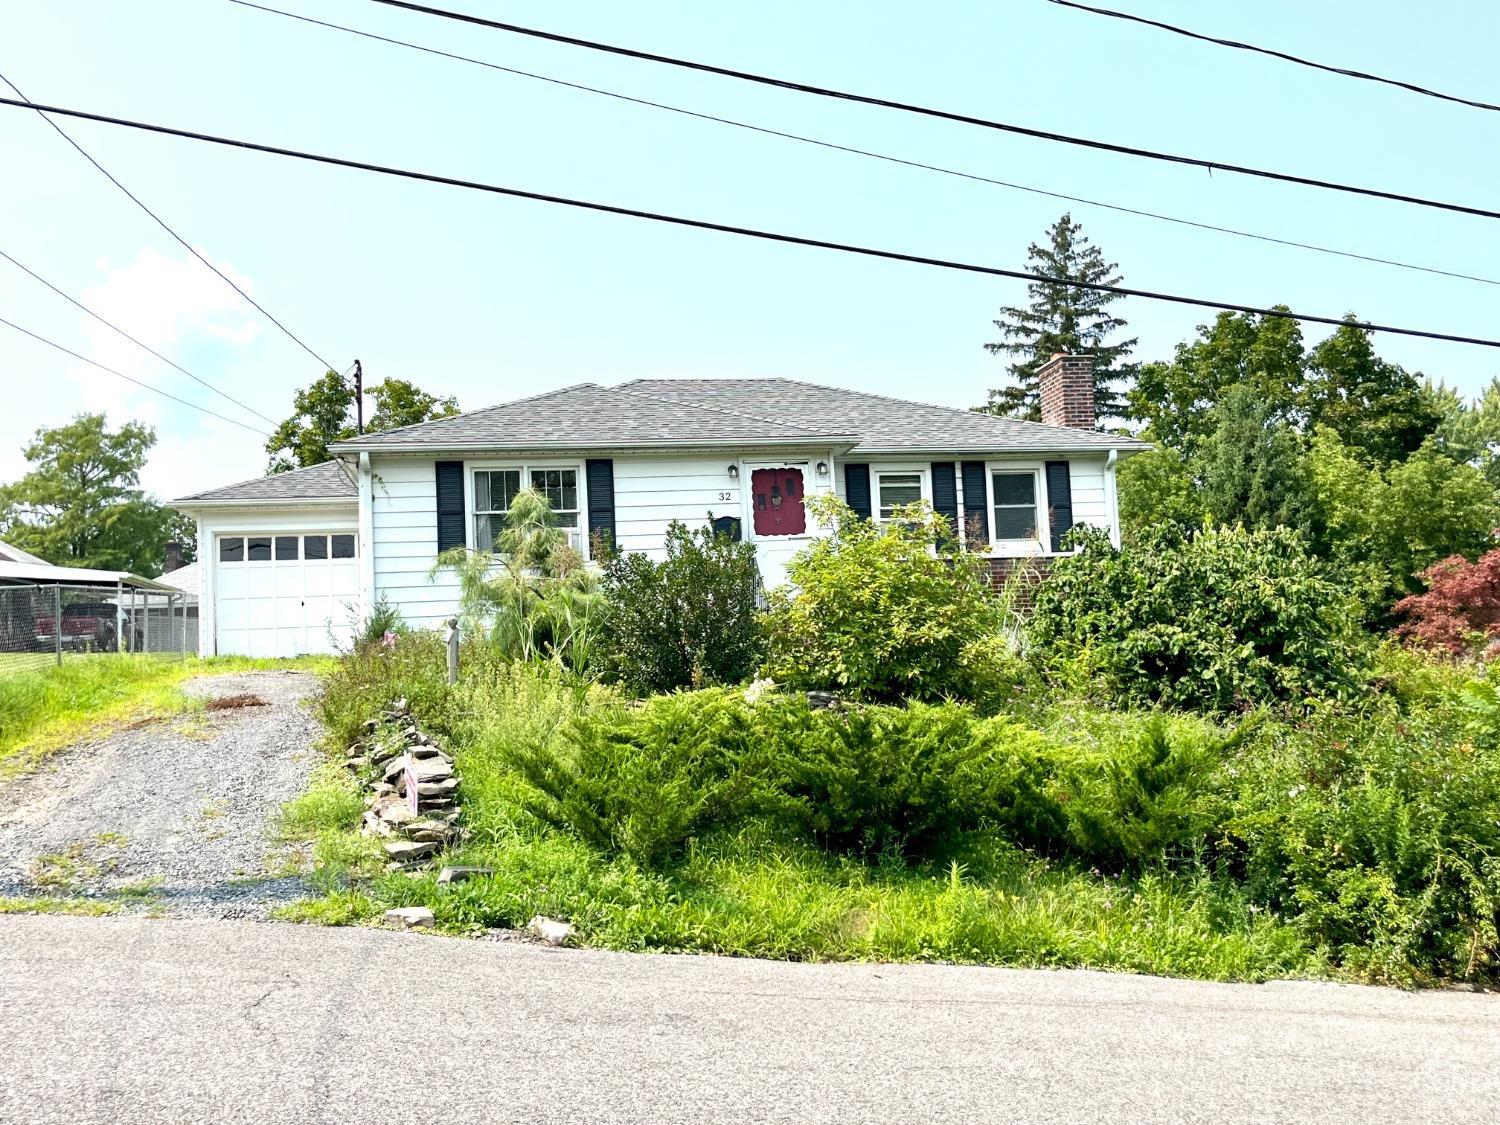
(176, 815)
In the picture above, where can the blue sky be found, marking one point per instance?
(490, 299)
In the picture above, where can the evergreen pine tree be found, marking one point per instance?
(1061, 318)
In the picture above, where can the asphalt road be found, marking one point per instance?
(150, 1020)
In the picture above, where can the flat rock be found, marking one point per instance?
(410, 917)
(442, 788)
(409, 849)
(550, 930)
(459, 874)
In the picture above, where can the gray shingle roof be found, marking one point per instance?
(649, 412)
(590, 416)
(328, 481)
(886, 424)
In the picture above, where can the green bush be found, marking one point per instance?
(906, 780)
(1217, 621)
(1147, 797)
(643, 781)
(873, 612)
(687, 621)
(1377, 834)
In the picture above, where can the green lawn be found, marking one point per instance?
(43, 709)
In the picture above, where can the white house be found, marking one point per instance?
(289, 563)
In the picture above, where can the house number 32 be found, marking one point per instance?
(726, 496)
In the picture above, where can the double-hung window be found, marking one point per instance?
(495, 490)
(896, 490)
(1015, 505)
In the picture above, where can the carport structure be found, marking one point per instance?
(47, 612)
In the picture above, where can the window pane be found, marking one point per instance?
(259, 549)
(1015, 523)
(485, 529)
(1015, 488)
(231, 550)
(315, 546)
(494, 489)
(897, 489)
(286, 547)
(559, 486)
(343, 546)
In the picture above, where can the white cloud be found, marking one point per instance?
(178, 307)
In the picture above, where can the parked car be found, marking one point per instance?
(86, 627)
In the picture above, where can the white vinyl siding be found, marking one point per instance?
(404, 530)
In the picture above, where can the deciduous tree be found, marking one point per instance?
(324, 413)
(81, 503)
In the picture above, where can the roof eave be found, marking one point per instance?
(816, 441)
(188, 503)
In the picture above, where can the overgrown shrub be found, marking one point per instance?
(1217, 620)
(1148, 797)
(643, 781)
(873, 612)
(906, 780)
(1378, 837)
(689, 620)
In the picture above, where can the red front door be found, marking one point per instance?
(776, 499)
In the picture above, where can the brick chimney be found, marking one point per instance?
(173, 557)
(1066, 386)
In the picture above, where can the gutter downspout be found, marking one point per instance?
(1113, 495)
(366, 538)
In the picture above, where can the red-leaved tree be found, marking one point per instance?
(1462, 600)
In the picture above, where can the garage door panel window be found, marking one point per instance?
(343, 546)
(314, 547)
(496, 489)
(286, 548)
(1015, 506)
(258, 549)
(231, 550)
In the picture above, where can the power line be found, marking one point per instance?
(1284, 56)
(163, 224)
(748, 232)
(972, 176)
(945, 115)
(115, 327)
(128, 379)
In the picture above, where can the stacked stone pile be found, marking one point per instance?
(413, 791)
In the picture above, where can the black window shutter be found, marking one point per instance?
(976, 500)
(945, 492)
(599, 474)
(1060, 501)
(857, 489)
(452, 527)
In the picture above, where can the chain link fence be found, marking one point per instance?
(43, 625)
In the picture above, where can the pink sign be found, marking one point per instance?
(412, 800)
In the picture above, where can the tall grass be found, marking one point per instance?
(52, 707)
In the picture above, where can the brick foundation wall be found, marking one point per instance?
(1032, 573)
(1065, 385)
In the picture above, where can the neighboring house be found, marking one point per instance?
(289, 563)
(9, 554)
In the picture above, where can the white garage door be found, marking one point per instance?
(285, 594)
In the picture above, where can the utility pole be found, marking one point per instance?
(359, 397)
